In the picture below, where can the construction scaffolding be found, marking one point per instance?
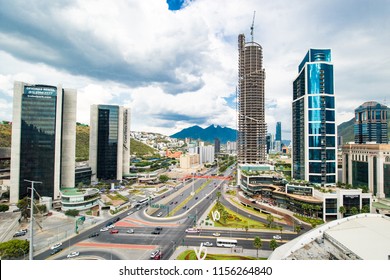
(251, 142)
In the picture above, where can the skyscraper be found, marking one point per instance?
(371, 123)
(251, 142)
(109, 148)
(313, 125)
(278, 134)
(43, 139)
(217, 145)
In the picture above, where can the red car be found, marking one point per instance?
(114, 231)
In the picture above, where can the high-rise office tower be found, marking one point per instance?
(43, 140)
(371, 123)
(251, 142)
(109, 142)
(313, 125)
(217, 145)
(278, 134)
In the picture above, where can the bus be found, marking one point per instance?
(142, 202)
(226, 242)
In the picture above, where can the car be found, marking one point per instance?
(159, 214)
(158, 256)
(130, 231)
(196, 198)
(158, 228)
(93, 235)
(113, 231)
(19, 233)
(128, 214)
(73, 254)
(108, 224)
(155, 253)
(170, 203)
(56, 250)
(55, 246)
(192, 230)
(277, 237)
(104, 229)
(155, 232)
(111, 226)
(117, 219)
(207, 244)
(175, 202)
(216, 234)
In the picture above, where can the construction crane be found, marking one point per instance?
(253, 23)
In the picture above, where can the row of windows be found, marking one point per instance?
(315, 115)
(315, 154)
(315, 101)
(315, 128)
(315, 167)
(330, 179)
(318, 141)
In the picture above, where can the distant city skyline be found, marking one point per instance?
(176, 65)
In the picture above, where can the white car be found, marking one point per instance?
(104, 229)
(73, 254)
(159, 214)
(192, 230)
(111, 226)
(55, 246)
(154, 253)
(207, 244)
(216, 234)
(130, 231)
(277, 237)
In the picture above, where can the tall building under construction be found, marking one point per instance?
(251, 142)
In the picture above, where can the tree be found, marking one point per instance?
(281, 229)
(342, 210)
(4, 207)
(297, 229)
(354, 211)
(304, 207)
(318, 209)
(365, 209)
(23, 205)
(257, 243)
(14, 248)
(273, 244)
(270, 220)
(218, 195)
(163, 178)
(72, 212)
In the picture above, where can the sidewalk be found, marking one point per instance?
(223, 251)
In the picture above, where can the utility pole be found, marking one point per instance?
(31, 251)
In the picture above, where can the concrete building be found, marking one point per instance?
(371, 123)
(367, 165)
(43, 140)
(231, 147)
(313, 120)
(359, 237)
(251, 142)
(189, 161)
(109, 142)
(206, 154)
(217, 145)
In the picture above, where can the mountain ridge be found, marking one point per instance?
(207, 134)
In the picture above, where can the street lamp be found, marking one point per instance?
(31, 252)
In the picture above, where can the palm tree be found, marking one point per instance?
(318, 209)
(304, 208)
(257, 243)
(270, 220)
(273, 244)
(218, 195)
(342, 210)
(310, 207)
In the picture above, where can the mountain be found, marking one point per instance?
(207, 134)
(346, 131)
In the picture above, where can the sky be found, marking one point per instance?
(175, 63)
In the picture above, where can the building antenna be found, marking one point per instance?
(253, 23)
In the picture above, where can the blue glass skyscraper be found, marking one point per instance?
(313, 120)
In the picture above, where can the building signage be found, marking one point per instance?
(125, 128)
(40, 92)
(351, 196)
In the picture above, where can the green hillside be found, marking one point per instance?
(346, 131)
(82, 142)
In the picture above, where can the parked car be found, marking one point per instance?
(158, 228)
(216, 234)
(207, 244)
(104, 229)
(19, 233)
(113, 231)
(55, 246)
(155, 253)
(155, 232)
(159, 214)
(277, 237)
(73, 254)
(117, 219)
(130, 231)
(93, 235)
(192, 230)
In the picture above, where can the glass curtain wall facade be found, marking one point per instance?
(38, 133)
(251, 117)
(314, 128)
(107, 145)
(371, 123)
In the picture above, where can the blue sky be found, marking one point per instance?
(175, 62)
